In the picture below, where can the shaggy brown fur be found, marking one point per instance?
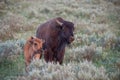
(57, 33)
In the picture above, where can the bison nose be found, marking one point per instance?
(71, 39)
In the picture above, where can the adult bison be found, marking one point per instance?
(57, 33)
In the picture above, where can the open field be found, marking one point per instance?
(97, 39)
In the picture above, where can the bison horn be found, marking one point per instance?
(60, 23)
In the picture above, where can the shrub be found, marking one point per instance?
(12, 23)
(99, 36)
(9, 49)
(40, 70)
(85, 52)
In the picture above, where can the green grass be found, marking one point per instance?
(110, 63)
(12, 67)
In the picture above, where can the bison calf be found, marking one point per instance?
(32, 49)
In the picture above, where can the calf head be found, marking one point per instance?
(67, 29)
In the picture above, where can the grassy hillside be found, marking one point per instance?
(97, 39)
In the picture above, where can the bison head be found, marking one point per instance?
(67, 29)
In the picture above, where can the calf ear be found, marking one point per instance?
(31, 40)
(32, 37)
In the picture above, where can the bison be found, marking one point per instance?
(32, 49)
(57, 33)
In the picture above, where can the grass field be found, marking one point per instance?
(97, 39)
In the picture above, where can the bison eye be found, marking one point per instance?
(35, 44)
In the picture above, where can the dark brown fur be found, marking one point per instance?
(57, 33)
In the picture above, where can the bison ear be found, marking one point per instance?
(60, 23)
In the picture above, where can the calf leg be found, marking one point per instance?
(27, 62)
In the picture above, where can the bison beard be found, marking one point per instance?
(57, 33)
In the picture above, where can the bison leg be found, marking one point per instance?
(60, 56)
(48, 55)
